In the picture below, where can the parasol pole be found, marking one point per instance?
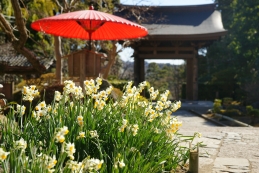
(90, 34)
(82, 70)
(83, 62)
(90, 40)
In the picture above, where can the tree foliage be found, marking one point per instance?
(236, 56)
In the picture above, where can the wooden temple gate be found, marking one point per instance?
(177, 32)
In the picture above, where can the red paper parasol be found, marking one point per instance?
(90, 25)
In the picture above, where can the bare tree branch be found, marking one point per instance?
(19, 43)
(19, 20)
(60, 6)
(6, 27)
(73, 2)
(66, 6)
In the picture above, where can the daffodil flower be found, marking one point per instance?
(3, 154)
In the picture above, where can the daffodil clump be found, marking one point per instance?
(85, 130)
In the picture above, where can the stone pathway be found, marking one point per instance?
(227, 149)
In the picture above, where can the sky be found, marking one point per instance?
(127, 53)
(165, 2)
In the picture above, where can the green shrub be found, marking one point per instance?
(116, 93)
(251, 111)
(227, 102)
(231, 112)
(48, 78)
(118, 84)
(143, 99)
(255, 112)
(121, 84)
(217, 106)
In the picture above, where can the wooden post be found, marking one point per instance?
(195, 75)
(189, 79)
(139, 71)
(136, 69)
(7, 90)
(194, 160)
(82, 69)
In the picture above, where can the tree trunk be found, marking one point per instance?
(111, 57)
(59, 62)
